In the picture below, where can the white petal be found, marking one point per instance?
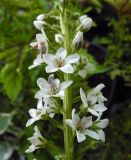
(92, 134)
(92, 98)
(98, 88)
(40, 38)
(72, 58)
(30, 122)
(93, 112)
(102, 123)
(32, 148)
(39, 24)
(39, 104)
(70, 123)
(49, 59)
(33, 44)
(61, 52)
(86, 121)
(54, 82)
(67, 69)
(32, 112)
(83, 97)
(43, 84)
(65, 84)
(80, 137)
(99, 108)
(40, 17)
(37, 132)
(101, 98)
(101, 135)
(51, 69)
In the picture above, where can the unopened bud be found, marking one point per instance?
(85, 23)
(78, 39)
(58, 38)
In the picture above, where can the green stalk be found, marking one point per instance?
(68, 134)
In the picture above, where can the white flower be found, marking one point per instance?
(101, 124)
(78, 39)
(60, 61)
(51, 88)
(38, 61)
(41, 43)
(36, 114)
(96, 95)
(89, 103)
(81, 126)
(35, 141)
(85, 22)
(58, 38)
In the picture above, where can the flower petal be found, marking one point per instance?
(51, 69)
(61, 52)
(33, 44)
(39, 24)
(102, 123)
(98, 88)
(80, 137)
(93, 112)
(43, 84)
(83, 97)
(101, 135)
(40, 17)
(49, 59)
(65, 84)
(70, 123)
(99, 108)
(40, 38)
(67, 69)
(72, 58)
(86, 121)
(92, 134)
(30, 121)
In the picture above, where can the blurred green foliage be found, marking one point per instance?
(18, 85)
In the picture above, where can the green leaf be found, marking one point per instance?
(12, 81)
(5, 151)
(5, 121)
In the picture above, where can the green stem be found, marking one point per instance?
(68, 135)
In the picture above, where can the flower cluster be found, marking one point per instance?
(93, 102)
(55, 92)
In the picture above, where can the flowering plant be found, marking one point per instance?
(58, 95)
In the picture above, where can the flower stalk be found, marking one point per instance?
(68, 134)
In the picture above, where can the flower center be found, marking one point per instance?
(59, 62)
(38, 112)
(79, 127)
(54, 90)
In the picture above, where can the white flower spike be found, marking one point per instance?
(90, 104)
(51, 88)
(81, 127)
(34, 141)
(60, 61)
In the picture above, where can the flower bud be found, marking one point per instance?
(40, 17)
(85, 23)
(58, 38)
(78, 39)
(39, 24)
